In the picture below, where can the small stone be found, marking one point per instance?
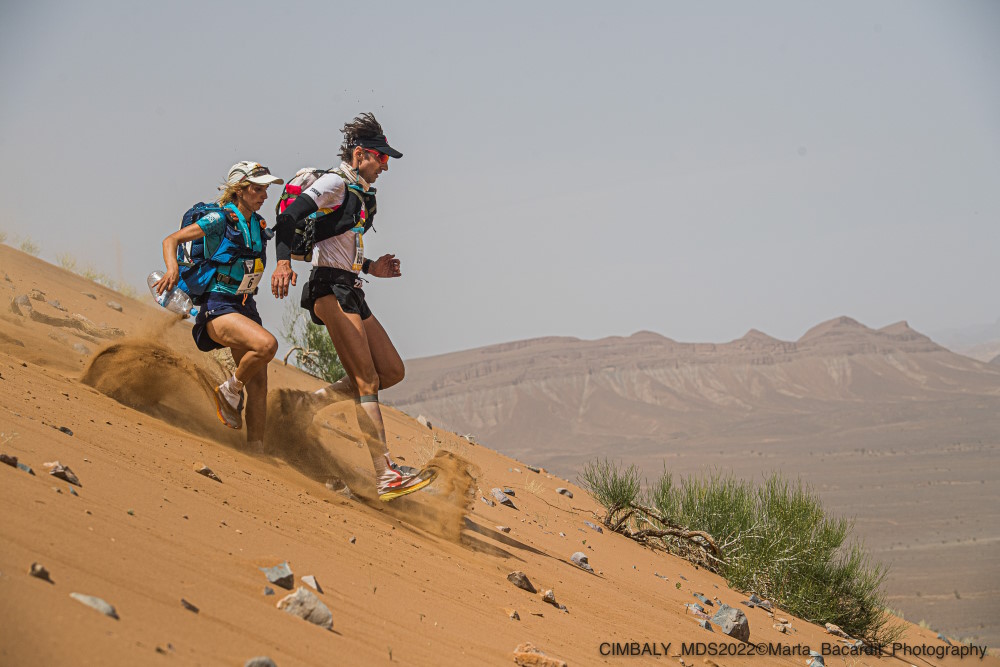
(353, 539)
(657, 574)
(512, 614)
(521, 580)
(27, 469)
(207, 472)
(280, 575)
(944, 639)
(423, 421)
(88, 294)
(114, 305)
(187, 605)
(706, 625)
(260, 661)
(732, 622)
(268, 590)
(37, 295)
(594, 526)
(562, 534)
(696, 607)
(503, 529)
(305, 605)
(64, 473)
(9, 460)
(550, 597)
(96, 603)
(581, 560)
(488, 501)
(502, 498)
(508, 491)
(310, 581)
(526, 655)
(55, 304)
(704, 600)
(38, 571)
(533, 468)
(835, 630)
(565, 492)
(66, 430)
(780, 627)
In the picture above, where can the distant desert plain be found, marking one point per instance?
(111, 388)
(888, 427)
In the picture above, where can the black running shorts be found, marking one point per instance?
(216, 305)
(324, 281)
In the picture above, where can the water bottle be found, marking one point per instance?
(175, 300)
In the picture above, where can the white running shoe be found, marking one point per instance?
(229, 406)
(393, 484)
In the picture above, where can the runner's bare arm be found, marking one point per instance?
(172, 274)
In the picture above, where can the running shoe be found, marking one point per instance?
(403, 470)
(229, 407)
(393, 484)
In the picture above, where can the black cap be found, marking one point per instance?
(379, 143)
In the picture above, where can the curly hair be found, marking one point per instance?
(364, 126)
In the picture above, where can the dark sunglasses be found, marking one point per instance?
(381, 157)
(259, 170)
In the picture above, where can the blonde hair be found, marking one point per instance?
(228, 195)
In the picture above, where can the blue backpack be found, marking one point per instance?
(199, 260)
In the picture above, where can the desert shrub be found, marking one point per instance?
(774, 539)
(614, 488)
(29, 246)
(67, 261)
(311, 344)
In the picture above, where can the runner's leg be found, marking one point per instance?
(256, 404)
(348, 334)
(252, 347)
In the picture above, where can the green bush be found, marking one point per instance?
(775, 540)
(30, 247)
(311, 344)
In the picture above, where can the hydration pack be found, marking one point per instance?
(333, 222)
(199, 261)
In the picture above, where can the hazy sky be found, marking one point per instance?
(587, 169)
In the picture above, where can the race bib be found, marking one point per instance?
(253, 269)
(359, 249)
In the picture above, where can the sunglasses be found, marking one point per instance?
(381, 157)
(259, 170)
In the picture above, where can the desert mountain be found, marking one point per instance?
(889, 426)
(564, 396)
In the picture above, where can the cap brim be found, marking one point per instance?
(389, 150)
(266, 179)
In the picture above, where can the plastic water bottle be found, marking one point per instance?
(175, 300)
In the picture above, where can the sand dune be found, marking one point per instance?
(884, 423)
(419, 581)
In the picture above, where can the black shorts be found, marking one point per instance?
(216, 305)
(324, 281)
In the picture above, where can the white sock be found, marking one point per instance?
(234, 385)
